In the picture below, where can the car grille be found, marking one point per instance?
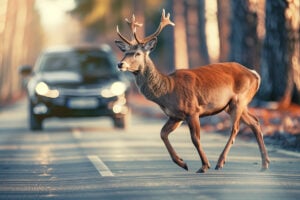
(79, 92)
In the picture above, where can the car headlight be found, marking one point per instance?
(116, 89)
(43, 89)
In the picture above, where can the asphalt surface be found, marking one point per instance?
(88, 159)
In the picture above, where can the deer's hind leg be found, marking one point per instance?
(235, 110)
(253, 123)
(170, 126)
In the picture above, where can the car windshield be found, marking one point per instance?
(88, 63)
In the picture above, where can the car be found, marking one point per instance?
(78, 81)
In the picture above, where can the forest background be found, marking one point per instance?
(260, 34)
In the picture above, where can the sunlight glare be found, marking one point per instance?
(53, 11)
(212, 31)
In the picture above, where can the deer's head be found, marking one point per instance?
(136, 49)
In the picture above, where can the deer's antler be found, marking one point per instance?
(123, 38)
(165, 20)
(133, 24)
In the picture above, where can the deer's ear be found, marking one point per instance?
(151, 44)
(122, 45)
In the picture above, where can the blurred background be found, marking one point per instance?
(260, 34)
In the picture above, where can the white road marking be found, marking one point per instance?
(97, 162)
(100, 166)
(76, 133)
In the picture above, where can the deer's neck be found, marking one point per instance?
(153, 84)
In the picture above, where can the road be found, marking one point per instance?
(88, 159)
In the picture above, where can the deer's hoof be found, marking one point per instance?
(201, 170)
(185, 167)
(219, 166)
(181, 163)
(265, 164)
(204, 168)
(264, 167)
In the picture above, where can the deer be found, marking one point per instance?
(186, 95)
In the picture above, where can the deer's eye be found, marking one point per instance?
(138, 54)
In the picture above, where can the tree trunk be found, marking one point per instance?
(3, 25)
(166, 44)
(273, 63)
(224, 30)
(7, 44)
(245, 45)
(195, 30)
(202, 34)
(20, 43)
(292, 54)
(180, 38)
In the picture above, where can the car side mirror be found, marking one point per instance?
(25, 70)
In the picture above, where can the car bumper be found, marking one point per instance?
(78, 106)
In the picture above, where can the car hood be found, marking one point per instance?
(73, 80)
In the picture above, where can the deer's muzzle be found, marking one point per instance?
(123, 66)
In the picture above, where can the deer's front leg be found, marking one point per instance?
(194, 126)
(170, 126)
